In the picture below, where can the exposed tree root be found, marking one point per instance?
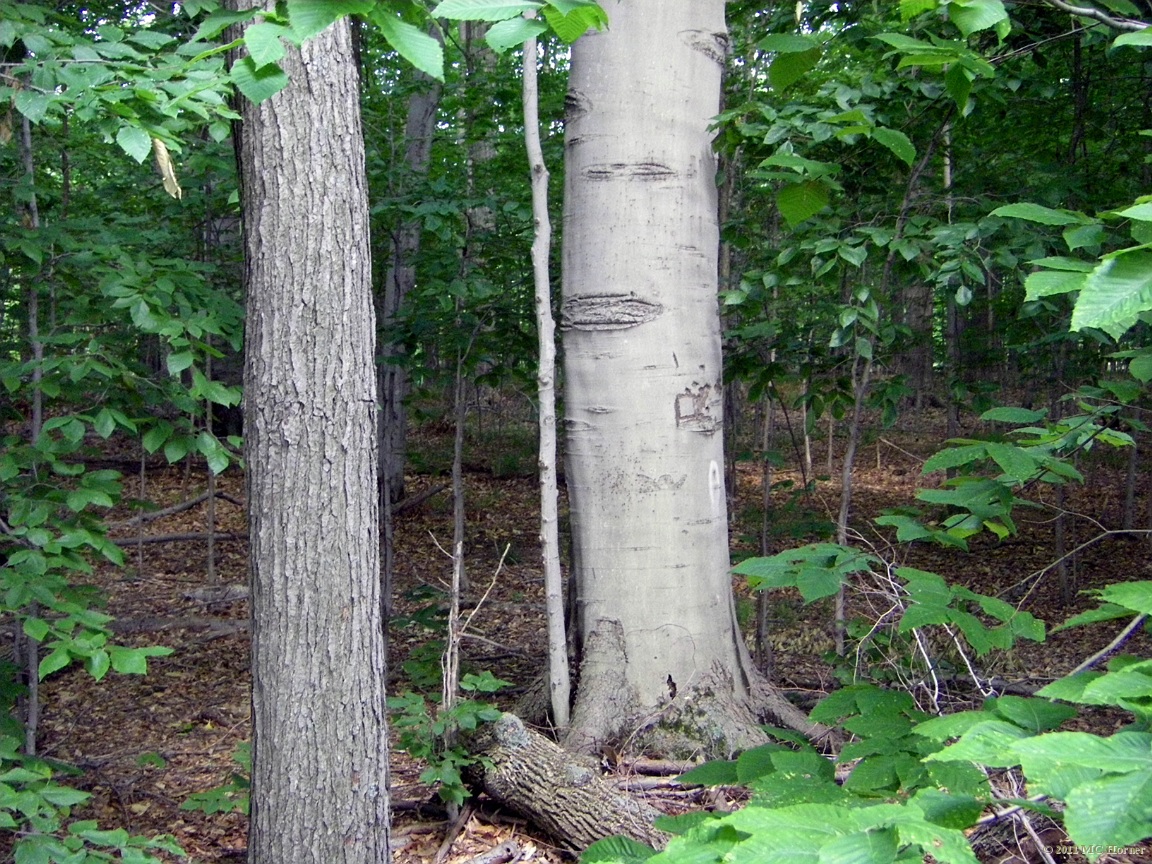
(562, 794)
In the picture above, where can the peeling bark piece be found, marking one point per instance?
(565, 797)
(607, 312)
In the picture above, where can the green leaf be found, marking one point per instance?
(257, 84)
(484, 10)
(1014, 461)
(1035, 715)
(1037, 213)
(177, 363)
(62, 796)
(54, 662)
(1136, 596)
(1111, 811)
(909, 9)
(799, 201)
(787, 43)
(954, 457)
(1012, 414)
(98, 664)
(1045, 283)
(1080, 236)
(861, 847)
(989, 743)
(711, 774)
(1115, 293)
(265, 42)
(1140, 368)
(948, 810)
(897, 142)
(624, 850)
(787, 69)
(973, 15)
(505, 35)
(135, 142)
(32, 104)
(1139, 38)
(105, 423)
(413, 44)
(756, 762)
(311, 17)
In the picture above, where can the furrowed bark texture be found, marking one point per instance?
(320, 760)
(567, 798)
(643, 368)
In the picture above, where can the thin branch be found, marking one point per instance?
(1113, 646)
(1130, 25)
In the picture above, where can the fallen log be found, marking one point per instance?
(558, 792)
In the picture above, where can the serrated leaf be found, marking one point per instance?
(505, 35)
(135, 142)
(32, 104)
(484, 10)
(789, 68)
(787, 43)
(954, 457)
(619, 850)
(264, 42)
(311, 17)
(54, 662)
(973, 15)
(1140, 368)
(1139, 38)
(800, 201)
(1111, 812)
(909, 9)
(1035, 715)
(1115, 293)
(178, 362)
(720, 773)
(1136, 596)
(1012, 414)
(988, 743)
(1045, 283)
(896, 141)
(413, 44)
(1038, 213)
(257, 84)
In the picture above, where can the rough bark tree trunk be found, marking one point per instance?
(643, 395)
(565, 797)
(320, 751)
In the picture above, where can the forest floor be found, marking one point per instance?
(144, 744)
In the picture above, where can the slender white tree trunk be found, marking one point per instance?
(559, 686)
(320, 742)
(643, 370)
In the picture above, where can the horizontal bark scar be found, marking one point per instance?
(663, 483)
(693, 412)
(629, 171)
(712, 45)
(607, 312)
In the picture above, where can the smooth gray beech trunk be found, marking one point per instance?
(320, 744)
(643, 394)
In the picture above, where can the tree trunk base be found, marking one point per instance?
(562, 794)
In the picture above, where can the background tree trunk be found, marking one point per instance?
(320, 758)
(643, 373)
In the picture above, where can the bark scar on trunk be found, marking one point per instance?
(693, 410)
(631, 171)
(607, 312)
(714, 46)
